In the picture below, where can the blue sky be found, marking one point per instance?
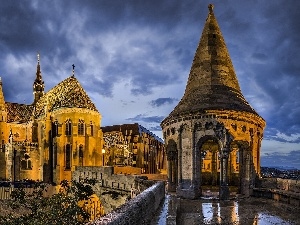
(133, 57)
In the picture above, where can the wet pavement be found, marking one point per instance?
(209, 210)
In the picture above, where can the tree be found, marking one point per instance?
(61, 208)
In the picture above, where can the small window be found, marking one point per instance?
(25, 161)
(54, 129)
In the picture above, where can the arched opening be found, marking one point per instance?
(172, 165)
(210, 162)
(234, 165)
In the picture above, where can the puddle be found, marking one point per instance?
(250, 211)
(239, 211)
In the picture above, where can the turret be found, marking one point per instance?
(38, 84)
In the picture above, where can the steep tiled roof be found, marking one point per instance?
(67, 94)
(212, 82)
(136, 129)
(20, 113)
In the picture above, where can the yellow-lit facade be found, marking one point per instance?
(47, 139)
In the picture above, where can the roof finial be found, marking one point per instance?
(211, 8)
(73, 71)
(38, 57)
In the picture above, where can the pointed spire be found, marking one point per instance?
(2, 101)
(38, 69)
(211, 8)
(212, 82)
(38, 84)
(73, 70)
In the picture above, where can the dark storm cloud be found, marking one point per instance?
(149, 46)
(278, 159)
(148, 119)
(264, 45)
(162, 101)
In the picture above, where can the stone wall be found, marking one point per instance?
(282, 190)
(112, 189)
(106, 178)
(281, 184)
(127, 170)
(137, 211)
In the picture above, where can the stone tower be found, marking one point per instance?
(213, 135)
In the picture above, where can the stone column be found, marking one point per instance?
(245, 169)
(224, 189)
(196, 170)
(179, 172)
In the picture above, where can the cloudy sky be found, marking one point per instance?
(133, 57)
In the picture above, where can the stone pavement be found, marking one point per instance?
(209, 210)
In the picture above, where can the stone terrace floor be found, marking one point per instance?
(237, 210)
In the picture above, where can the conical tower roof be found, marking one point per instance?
(212, 82)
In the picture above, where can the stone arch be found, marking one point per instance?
(216, 131)
(172, 158)
(202, 155)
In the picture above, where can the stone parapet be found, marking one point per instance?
(139, 210)
(282, 190)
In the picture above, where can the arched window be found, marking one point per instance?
(92, 129)
(81, 127)
(54, 128)
(25, 160)
(68, 156)
(80, 155)
(237, 156)
(68, 130)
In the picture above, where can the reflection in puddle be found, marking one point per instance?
(247, 211)
(266, 219)
(244, 211)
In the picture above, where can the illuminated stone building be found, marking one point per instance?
(213, 136)
(136, 147)
(48, 138)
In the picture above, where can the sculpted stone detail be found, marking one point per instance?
(223, 135)
(184, 131)
(197, 127)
